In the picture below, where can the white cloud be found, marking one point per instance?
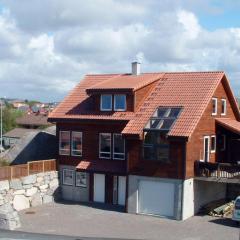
(47, 46)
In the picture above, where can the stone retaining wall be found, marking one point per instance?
(26, 192)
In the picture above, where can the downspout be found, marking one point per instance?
(184, 177)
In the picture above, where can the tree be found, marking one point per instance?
(9, 118)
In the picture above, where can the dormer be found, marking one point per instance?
(122, 92)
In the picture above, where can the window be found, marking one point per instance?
(224, 107)
(68, 177)
(163, 119)
(105, 145)
(214, 106)
(77, 143)
(213, 144)
(106, 102)
(120, 102)
(156, 146)
(64, 142)
(81, 179)
(118, 147)
(222, 142)
(206, 142)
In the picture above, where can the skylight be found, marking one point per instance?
(163, 118)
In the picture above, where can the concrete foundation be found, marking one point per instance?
(206, 192)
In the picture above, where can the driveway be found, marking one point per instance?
(92, 221)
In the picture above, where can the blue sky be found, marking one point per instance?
(47, 46)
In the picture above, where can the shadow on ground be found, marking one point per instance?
(226, 222)
(101, 206)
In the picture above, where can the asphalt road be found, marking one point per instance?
(87, 221)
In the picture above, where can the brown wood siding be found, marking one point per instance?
(90, 139)
(174, 169)
(206, 127)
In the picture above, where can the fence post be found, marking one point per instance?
(28, 168)
(218, 170)
(11, 172)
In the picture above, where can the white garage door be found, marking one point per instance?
(99, 188)
(156, 198)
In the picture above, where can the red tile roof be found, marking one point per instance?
(232, 125)
(75, 105)
(102, 166)
(126, 82)
(190, 90)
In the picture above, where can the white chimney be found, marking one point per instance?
(136, 68)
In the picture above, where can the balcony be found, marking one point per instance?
(220, 172)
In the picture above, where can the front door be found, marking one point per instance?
(99, 188)
(206, 148)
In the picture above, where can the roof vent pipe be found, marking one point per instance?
(136, 68)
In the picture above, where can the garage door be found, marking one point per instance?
(156, 198)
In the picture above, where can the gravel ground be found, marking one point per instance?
(94, 221)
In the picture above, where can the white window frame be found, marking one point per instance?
(224, 104)
(215, 143)
(80, 155)
(224, 142)
(81, 185)
(123, 147)
(104, 109)
(214, 111)
(63, 180)
(60, 140)
(209, 145)
(119, 109)
(100, 146)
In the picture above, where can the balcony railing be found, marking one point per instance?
(217, 170)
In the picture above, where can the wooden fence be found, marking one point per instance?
(23, 170)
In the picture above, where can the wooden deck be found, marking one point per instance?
(220, 172)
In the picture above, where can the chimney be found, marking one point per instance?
(136, 68)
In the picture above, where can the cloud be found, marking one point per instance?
(47, 46)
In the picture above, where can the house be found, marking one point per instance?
(137, 139)
(33, 120)
(24, 145)
(13, 137)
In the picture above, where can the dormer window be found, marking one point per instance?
(113, 102)
(106, 102)
(119, 102)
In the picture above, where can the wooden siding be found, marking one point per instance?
(206, 127)
(174, 169)
(90, 139)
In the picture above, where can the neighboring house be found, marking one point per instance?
(29, 145)
(33, 120)
(134, 139)
(13, 137)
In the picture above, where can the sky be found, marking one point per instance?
(47, 46)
